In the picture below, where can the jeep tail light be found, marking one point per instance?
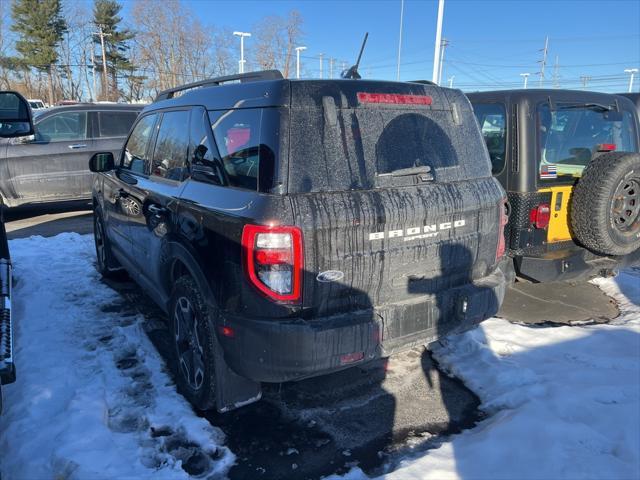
(504, 218)
(273, 260)
(539, 216)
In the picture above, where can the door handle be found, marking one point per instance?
(157, 210)
(76, 146)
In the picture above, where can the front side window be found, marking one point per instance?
(237, 134)
(63, 126)
(571, 134)
(492, 120)
(135, 151)
(115, 124)
(172, 144)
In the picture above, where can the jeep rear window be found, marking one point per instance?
(334, 149)
(570, 134)
(492, 120)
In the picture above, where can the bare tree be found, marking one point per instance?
(275, 40)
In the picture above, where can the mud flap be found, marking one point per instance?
(232, 390)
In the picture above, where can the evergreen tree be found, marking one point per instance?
(116, 44)
(40, 27)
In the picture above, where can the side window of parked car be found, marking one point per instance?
(237, 134)
(115, 124)
(135, 151)
(63, 126)
(172, 145)
(203, 154)
(493, 124)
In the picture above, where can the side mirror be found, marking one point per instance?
(102, 162)
(16, 119)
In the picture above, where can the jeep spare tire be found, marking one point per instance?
(605, 205)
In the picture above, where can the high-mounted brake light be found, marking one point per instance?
(539, 216)
(273, 260)
(504, 218)
(606, 147)
(394, 98)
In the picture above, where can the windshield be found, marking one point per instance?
(571, 134)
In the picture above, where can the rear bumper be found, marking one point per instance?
(276, 351)
(571, 264)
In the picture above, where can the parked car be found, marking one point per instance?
(294, 228)
(15, 121)
(569, 162)
(36, 104)
(52, 165)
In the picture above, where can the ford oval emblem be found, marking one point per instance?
(330, 276)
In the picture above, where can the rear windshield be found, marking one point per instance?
(570, 134)
(347, 148)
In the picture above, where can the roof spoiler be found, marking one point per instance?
(241, 77)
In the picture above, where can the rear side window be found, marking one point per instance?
(135, 151)
(492, 120)
(172, 145)
(115, 124)
(63, 126)
(237, 134)
(203, 156)
(570, 135)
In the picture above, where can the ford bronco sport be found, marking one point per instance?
(569, 162)
(295, 228)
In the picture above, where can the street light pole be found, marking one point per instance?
(242, 60)
(321, 62)
(298, 50)
(451, 81)
(400, 38)
(526, 77)
(436, 54)
(632, 72)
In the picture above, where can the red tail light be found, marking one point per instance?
(504, 218)
(394, 98)
(273, 260)
(540, 215)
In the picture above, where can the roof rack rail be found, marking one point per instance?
(242, 77)
(423, 82)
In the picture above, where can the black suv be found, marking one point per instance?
(295, 228)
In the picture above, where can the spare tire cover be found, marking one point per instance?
(605, 205)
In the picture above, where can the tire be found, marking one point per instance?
(106, 264)
(605, 205)
(191, 324)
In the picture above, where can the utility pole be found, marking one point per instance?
(105, 84)
(400, 38)
(331, 67)
(321, 55)
(445, 43)
(344, 66)
(526, 77)
(543, 62)
(556, 77)
(451, 81)
(242, 61)
(631, 72)
(298, 50)
(436, 53)
(585, 80)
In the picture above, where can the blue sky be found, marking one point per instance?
(491, 41)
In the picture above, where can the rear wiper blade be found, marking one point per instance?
(405, 172)
(594, 106)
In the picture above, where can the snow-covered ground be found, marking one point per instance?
(92, 399)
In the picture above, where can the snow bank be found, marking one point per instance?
(92, 398)
(564, 402)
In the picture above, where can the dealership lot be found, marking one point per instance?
(119, 393)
